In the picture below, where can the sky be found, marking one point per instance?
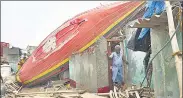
(26, 23)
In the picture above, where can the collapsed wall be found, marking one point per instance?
(89, 69)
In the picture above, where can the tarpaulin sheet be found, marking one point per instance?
(135, 70)
(152, 7)
(139, 45)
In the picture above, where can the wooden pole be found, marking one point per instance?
(175, 48)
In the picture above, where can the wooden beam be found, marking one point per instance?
(174, 43)
(141, 26)
(114, 40)
(127, 94)
(137, 94)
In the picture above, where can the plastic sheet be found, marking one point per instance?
(149, 9)
(152, 7)
(136, 71)
(139, 45)
(144, 32)
(159, 7)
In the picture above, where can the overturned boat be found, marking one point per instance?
(75, 35)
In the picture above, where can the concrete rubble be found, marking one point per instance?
(59, 89)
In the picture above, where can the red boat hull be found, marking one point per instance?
(75, 35)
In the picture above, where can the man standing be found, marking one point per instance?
(117, 65)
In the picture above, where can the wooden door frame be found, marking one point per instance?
(110, 61)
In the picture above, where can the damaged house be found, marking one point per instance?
(160, 33)
(149, 34)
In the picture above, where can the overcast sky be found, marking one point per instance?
(29, 22)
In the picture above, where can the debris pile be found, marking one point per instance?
(10, 87)
(54, 89)
(61, 89)
(130, 92)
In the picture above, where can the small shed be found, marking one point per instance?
(165, 74)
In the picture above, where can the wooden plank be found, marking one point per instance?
(109, 65)
(137, 94)
(115, 92)
(127, 94)
(137, 25)
(111, 94)
(122, 94)
(114, 40)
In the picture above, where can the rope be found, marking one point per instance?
(177, 53)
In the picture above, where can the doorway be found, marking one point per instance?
(110, 48)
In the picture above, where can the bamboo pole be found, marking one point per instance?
(175, 48)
